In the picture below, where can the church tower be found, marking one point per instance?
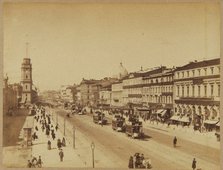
(26, 80)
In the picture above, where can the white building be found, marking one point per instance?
(197, 91)
(116, 96)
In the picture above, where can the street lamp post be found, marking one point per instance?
(64, 126)
(73, 137)
(92, 148)
(57, 117)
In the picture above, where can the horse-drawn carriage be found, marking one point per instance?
(99, 118)
(133, 128)
(118, 123)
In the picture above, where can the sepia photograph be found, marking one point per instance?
(118, 85)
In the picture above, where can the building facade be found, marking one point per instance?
(105, 96)
(197, 91)
(89, 91)
(158, 88)
(132, 89)
(116, 96)
(66, 93)
(26, 81)
(10, 99)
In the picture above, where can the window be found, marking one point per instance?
(219, 90)
(199, 72)
(193, 90)
(178, 90)
(188, 73)
(182, 74)
(205, 71)
(212, 70)
(199, 91)
(188, 91)
(205, 90)
(26, 87)
(182, 91)
(212, 90)
(193, 73)
(178, 75)
(219, 69)
(26, 77)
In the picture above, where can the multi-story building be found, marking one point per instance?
(158, 88)
(117, 89)
(89, 90)
(10, 99)
(197, 91)
(132, 89)
(66, 93)
(105, 95)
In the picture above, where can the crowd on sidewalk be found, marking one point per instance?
(44, 126)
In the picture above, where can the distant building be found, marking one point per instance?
(116, 96)
(105, 95)
(197, 91)
(122, 71)
(158, 88)
(66, 93)
(10, 99)
(90, 90)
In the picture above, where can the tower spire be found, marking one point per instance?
(27, 48)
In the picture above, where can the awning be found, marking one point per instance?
(175, 117)
(211, 122)
(218, 124)
(159, 111)
(163, 113)
(184, 119)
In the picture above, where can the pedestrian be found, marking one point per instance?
(29, 165)
(63, 142)
(130, 162)
(56, 127)
(49, 145)
(36, 128)
(194, 164)
(59, 143)
(34, 162)
(174, 141)
(39, 162)
(61, 154)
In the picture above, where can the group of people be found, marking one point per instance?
(35, 163)
(138, 161)
(45, 123)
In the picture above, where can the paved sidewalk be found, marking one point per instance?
(51, 157)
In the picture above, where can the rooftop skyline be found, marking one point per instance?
(68, 42)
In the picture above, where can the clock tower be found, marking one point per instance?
(26, 80)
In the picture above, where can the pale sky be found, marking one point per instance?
(69, 42)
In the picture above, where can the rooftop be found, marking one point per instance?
(197, 64)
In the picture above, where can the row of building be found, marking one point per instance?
(189, 92)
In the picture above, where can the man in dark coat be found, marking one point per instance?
(174, 141)
(131, 162)
(59, 144)
(194, 164)
(61, 154)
